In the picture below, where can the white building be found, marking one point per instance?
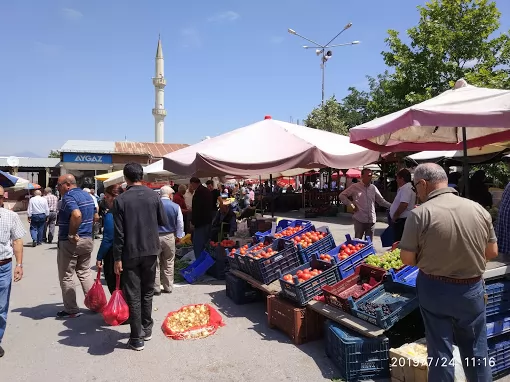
(159, 83)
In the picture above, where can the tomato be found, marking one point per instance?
(343, 246)
(299, 273)
(306, 276)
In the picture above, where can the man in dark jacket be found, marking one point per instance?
(201, 215)
(138, 213)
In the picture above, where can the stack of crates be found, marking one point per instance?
(498, 326)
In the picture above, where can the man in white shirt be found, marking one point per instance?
(362, 197)
(11, 247)
(403, 204)
(188, 198)
(38, 211)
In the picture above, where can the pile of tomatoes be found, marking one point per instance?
(224, 243)
(288, 232)
(302, 275)
(308, 238)
(347, 250)
(326, 257)
(258, 251)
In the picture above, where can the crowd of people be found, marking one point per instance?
(449, 238)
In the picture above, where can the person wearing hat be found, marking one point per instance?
(226, 216)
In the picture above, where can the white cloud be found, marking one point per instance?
(190, 37)
(224, 16)
(46, 49)
(71, 14)
(277, 39)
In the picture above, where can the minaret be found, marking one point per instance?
(159, 82)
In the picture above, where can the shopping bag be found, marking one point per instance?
(116, 311)
(95, 299)
(387, 237)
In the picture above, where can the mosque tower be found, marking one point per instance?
(159, 82)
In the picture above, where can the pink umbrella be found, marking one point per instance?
(477, 116)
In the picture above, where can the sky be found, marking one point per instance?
(76, 69)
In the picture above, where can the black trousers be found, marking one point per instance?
(138, 277)
(108, 271)
(398, 229)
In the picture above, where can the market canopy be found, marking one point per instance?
(268, 147)
(489, 151)
(437, 124)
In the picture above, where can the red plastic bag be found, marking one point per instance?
(117, 310)
(212, 322)
(95, 299)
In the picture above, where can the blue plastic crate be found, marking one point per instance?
(304, 292)
(406, 275)
(240, 291)
(400, 298)
(322, 246)
(346, 267)
(242, 261)
(358, 358)
(498, 324)
(499, 352)
(285, 223)
(267, 270)
(497, 287)
(198, 268)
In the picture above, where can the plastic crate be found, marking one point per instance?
(497, 324)
(358, 358)
(347, 286)
(322, 246)
(242, 261)
(347, 267)
(302, 325)
(240, 291)
(198, 268)
(499, 353)
(285, 223)
(401, 299)
(267, 270)
(406, 275)
(304, 292)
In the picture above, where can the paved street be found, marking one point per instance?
(39, 347)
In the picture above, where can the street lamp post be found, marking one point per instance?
(323, 50)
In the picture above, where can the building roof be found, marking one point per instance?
(94, 147)
(159, 50)
(156, 150)
(32, 162)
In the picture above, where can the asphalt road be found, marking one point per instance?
(40, 348)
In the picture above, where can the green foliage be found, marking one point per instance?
(327, 118)
(452, 40)
(498, 172)
(54, 154)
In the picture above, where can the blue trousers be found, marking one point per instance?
(454, 311)
(201, 236)
(37, 222)
(5, 294)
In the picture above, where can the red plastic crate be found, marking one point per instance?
(333, 293)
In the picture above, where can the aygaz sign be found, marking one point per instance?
(87, 158)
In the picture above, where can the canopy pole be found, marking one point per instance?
(272, 195)
(465, 164)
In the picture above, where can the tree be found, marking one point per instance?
(54, 154)
(327, 118)
(451, 41)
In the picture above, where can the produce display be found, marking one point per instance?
(191, 322)
(370, 308)
(388, 260)
(185, 241)
(246, 250)
(302, 275)
(308, 238)
(288, 231)
(224, 243)
(345, 251)
(358, 289)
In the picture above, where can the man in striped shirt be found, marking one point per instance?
(49, 227)
(75, 220)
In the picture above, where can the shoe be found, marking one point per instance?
(148, 335)
(166, 291)
(137, 345)
(39, 243)
(2, 352)
(34, 243)
(156, 293)
(64, 314)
